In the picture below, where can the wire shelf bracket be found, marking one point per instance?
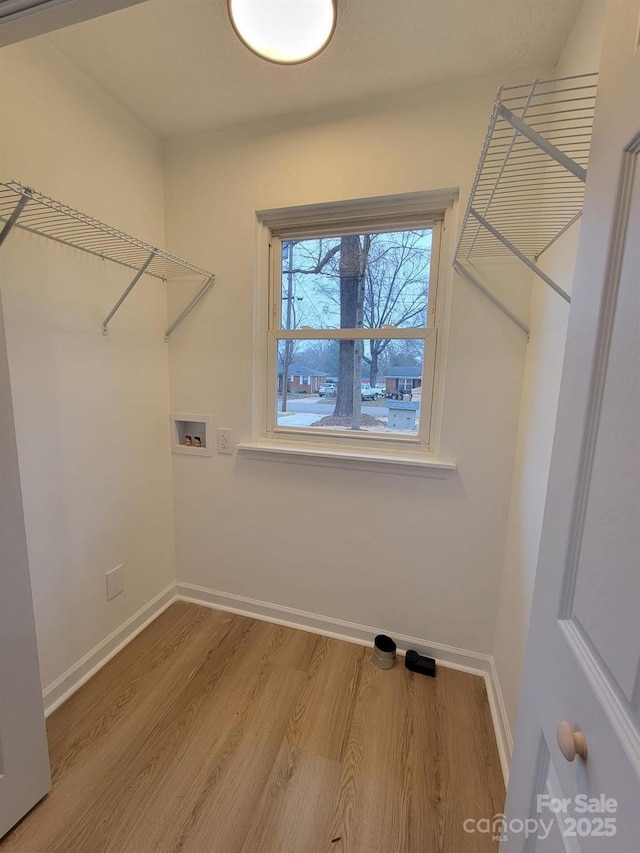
(136, 278)
(206, 286)
(529, 185)
(25, 208)
(474, 278)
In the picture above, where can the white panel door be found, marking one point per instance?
(24, 760)
(583, 660)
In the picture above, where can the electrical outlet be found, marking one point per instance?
(224, 441)
(115, 582)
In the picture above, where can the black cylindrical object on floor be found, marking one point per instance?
(384, 652)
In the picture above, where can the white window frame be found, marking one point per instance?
(436, 209)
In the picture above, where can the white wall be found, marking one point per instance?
(543, 365)
(90, 411)
(318, 539)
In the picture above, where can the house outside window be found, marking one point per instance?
(302, 379)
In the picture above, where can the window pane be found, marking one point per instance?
(369, 386)
(353, 282)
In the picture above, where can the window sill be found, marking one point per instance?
(408, 463)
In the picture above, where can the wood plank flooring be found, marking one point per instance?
(214, 733)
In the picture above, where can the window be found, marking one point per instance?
(353, 296)
(358, 308)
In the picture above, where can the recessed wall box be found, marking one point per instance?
(184, 429)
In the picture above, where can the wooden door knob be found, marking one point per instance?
(571, 743)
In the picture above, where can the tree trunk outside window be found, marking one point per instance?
(352, 271)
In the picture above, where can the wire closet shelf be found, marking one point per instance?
(33, 211)
(529, 185)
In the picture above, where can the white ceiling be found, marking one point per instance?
(177, 65)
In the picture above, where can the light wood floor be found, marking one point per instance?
(212, 733)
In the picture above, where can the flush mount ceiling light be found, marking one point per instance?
(284, 31)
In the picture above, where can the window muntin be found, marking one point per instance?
(397, 290)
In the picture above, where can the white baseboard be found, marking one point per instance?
(66, 685)
(504, 737)
(448, 656)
